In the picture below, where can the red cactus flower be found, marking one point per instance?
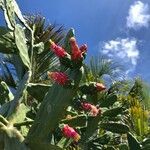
(69, 132)
(59, 51)
(76, 52)
(94, 111)
(59, 77)
(86, 106)
(100, 87)
(83, 48)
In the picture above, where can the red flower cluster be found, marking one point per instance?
(94, 111)
(69, 132)
(100, 87)
(59, 51)
(76, 51)
(59, 77)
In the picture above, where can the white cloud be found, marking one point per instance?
(138, 15)
(123, 50)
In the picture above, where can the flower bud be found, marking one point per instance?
(59, 51)
(76, 52)
(59, 77)
(100, 87)
(69, 132)
(94, 111)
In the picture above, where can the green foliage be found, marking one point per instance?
(115, 127)
(43, 59)
(7, 45)
(133, 143)
(14, 107)
(71, 33)
(34, 115)
(5, 93)
(76, 121)
(7, 77)
(20, 41)
(108, 101)
(38, 91)
(113, 112)
(100, 66)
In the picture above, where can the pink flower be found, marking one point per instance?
(76, 52)
(59, 77)
(86, 106)
(59, 51)
(94, 111)
(83, 48)
(100, 87)
(69, 132)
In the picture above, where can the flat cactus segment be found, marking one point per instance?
(133, 142)
(115, 127)
(113, 112)
(92, 126)
(9, 13)
(67, 40)
(108, 101)
(76, 121)
(6, 44)
(21, 114)
(53, 109)
(38, 91)
(19, 94)
(19, 14)
(20, 40)
(7, 19)
(1, 3)
(45, 146)
(13, 139)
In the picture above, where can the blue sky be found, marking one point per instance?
(118, 29)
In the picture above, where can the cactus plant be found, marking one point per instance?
(56, 108)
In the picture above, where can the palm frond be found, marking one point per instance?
(146, 94)
(100, 66)
(120, 87)
(44, 31)
(137, 89)
(44, 60)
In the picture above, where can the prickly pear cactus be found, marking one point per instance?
(59, 109)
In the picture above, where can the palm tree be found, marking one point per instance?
(43, 58)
